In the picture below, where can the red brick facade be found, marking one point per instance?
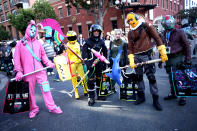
(83, 18)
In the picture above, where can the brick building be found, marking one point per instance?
(80, 21)
(11, 6)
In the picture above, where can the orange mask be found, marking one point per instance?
(132, 20)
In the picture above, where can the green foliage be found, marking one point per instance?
(20, 21)
(4, 35)
(42, 10)
(191, 14)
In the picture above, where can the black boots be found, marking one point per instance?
(140, 98)
(182, 101)
(91, 101)
(156, 103)
(170, 97)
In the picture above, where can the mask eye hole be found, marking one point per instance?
(129, 20)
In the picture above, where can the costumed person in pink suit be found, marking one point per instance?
(27, 58)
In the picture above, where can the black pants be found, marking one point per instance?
(94, 76)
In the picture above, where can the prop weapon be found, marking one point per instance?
(71, 92)
(99, 56)
(31, 73)
(143, 63)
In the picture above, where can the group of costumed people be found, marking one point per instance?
(29, 53)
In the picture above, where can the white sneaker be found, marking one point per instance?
(48, 73)
(52, 73)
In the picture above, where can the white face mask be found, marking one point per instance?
(33, 30)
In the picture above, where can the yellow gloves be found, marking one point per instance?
(131, 59)
(162, 50)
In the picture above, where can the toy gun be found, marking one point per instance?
(100, 56)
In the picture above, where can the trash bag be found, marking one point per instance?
(128, 90)
(16, 97)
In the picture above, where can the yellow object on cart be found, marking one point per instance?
(62, 66)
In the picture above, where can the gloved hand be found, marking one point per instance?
(19, 76)
(131, 60)
(163, 55)
(52, 65)
(187, 62)
(160, 65)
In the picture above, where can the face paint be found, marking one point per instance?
(33, 31)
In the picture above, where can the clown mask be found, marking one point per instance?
(33, 30)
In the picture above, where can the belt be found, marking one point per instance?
(175, 54)
(145, 53)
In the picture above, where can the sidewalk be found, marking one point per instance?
(3, 80)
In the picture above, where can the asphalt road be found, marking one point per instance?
(110, 115)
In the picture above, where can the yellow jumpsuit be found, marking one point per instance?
(76, 67)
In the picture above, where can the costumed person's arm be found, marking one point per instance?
(45, 59)
(125, 49)
(110, 54)
(130, 51)
(104, 50)
(84, 52)
(186, 46)
(17, 62)
(161, 47)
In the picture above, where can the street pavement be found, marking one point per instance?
(110, 115)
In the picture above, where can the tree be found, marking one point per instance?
(190, 14)
(97, 8)
(21, 20)
(42, 10)
(4, 35)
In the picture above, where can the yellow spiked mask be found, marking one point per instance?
(132, 19)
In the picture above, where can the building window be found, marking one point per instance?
(170, 5)
(174, 6)
(89, 25)
(77, 10)
(162, 3)
(10, 29)
(79, 29)
(6, 15)
(1, 8)
(68, 11)
(70, 28)
(151, 1)
(60, 12)
(166, 4)
(5, 6)
(14, 12)
(157, 2)
(114, 24)
(2, 18)
(12, 3)
(17, 35)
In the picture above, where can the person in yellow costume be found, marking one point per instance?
(140, 50)
(76, 64)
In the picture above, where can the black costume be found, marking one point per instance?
(97, 44)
